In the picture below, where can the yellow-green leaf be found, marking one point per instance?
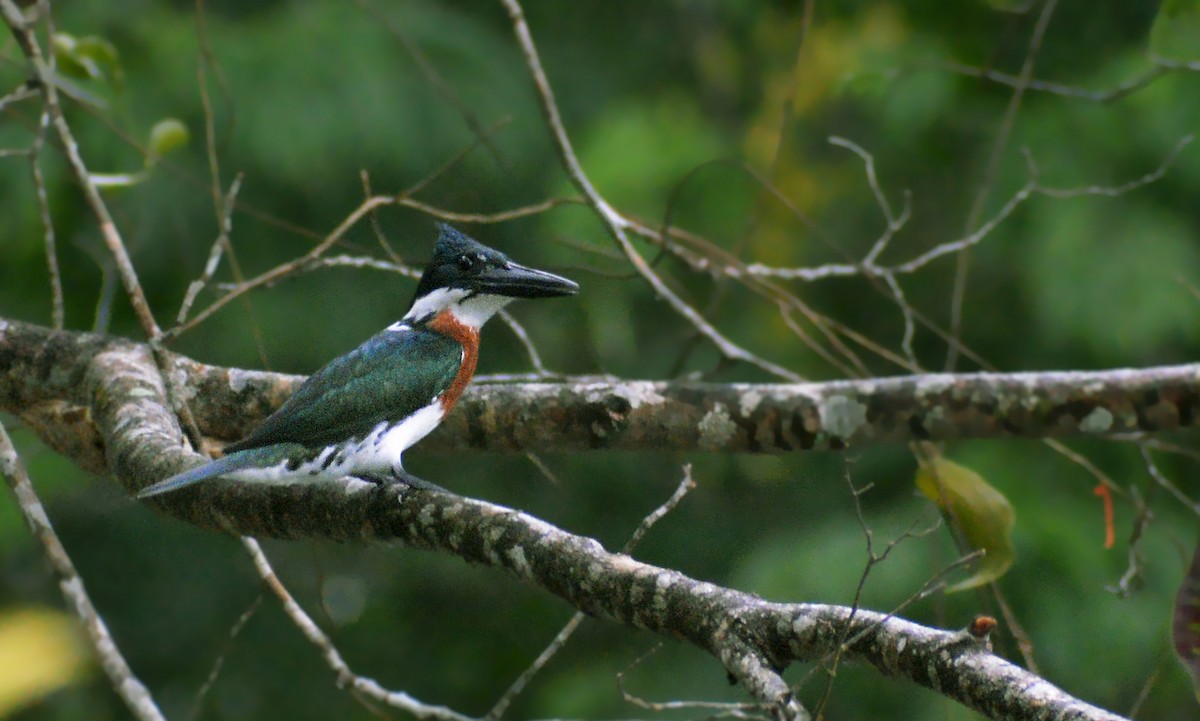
(40, 651)
(86, 57)
(1175, 34)
(981, 513)
(167, 135)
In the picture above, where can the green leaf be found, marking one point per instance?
(1186, 622)
(1175, 34)
(167, 135)
(86, 58)
(982, 514)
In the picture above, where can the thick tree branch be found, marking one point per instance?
(44, 376)
(114, 387)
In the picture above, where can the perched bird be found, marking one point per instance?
(358, 414)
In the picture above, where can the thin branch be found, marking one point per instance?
(439, 84)
(219, 247)
(686, 485)
(1114, 191)
(1033, 186)
(1161, 479)
(27, 39)
(223, 203)
(43, 203)
(1137, 82)
(1131, 580)
(23, 92)
(481, 138)
(333, 658)
(962, 265)
(219, 663)
(874, 559)
(502, 216)
(313, 256)
(285, 269)
(535, 358)
(560, 639)
(613, 220)
(723, 709)
(894, 222)
(131, 690)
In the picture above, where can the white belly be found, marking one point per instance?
(377, 454)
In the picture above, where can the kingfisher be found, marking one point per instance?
(357, 415)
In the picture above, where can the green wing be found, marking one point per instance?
(387, 378)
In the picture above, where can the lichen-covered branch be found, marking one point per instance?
(44, 375)
(69, 382)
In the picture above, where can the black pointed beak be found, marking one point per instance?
(517, 281)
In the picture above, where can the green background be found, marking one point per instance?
(319, 91)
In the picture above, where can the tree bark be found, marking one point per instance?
(42, 374)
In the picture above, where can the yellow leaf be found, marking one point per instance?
(40, 651)
(982, 514)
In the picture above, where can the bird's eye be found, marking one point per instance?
(466, 263)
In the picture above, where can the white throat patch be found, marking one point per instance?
(472, 311)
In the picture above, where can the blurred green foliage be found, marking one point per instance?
(306, 95)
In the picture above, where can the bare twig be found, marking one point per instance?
(958, 294)
(219, 663)
(1113, 191)
(722, 709)
(1132, 578)
(1161, 479)
(313, 256)
(556, 644)
(219, 246)
(439, 84)
(613, 220)
(684, 487)
(481, 138)
(1034, 187)
(28, 41)
(223, 203)
(285, 269)
(1015, 628)
(1137, 82)
(894, 222)
(43, 202)
(369, 688)
(486, 218)
(561, 638)
(873, 559)
(24, 92)
(535, 358)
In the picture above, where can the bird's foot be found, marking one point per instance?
(402, 477)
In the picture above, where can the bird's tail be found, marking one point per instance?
(251, 458)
